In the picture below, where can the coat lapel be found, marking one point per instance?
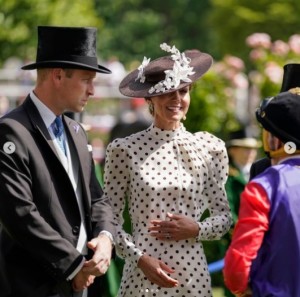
(78, 137)
(38, 123)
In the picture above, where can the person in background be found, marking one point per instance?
(132, 120)
(169, 177)
(4, 105)
(57, 228)
(291, 79)
(265, 249)
(242, 152)
(118, 71)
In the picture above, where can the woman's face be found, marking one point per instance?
(170, 108)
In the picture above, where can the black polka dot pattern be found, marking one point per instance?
(167, 171)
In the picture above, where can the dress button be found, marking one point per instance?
(75, 230)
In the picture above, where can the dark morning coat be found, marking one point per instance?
(259, 166)
(39, 214)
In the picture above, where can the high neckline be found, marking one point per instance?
(167, 134)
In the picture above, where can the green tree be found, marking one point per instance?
(135, 27)
(231, 21)
(130, 29)
(210, 109)
(19, 19)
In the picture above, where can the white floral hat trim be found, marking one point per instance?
(180, 72)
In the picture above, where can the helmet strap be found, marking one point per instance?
(274, 153)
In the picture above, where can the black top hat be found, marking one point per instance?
(155, 73)
(240, 138)
(280, 116)
(68, 47)
(291, 77)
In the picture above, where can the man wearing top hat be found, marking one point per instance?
(263, 257)
(291, 79)
(56, 227)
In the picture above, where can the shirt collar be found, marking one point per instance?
(47, 115)
(285, 160)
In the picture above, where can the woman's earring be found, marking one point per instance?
(151, 108)
(184, 118)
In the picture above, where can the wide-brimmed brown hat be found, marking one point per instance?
(67, 47)
(157, 77)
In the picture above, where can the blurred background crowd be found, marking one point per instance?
(250, 42)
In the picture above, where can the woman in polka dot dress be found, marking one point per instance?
(169, 177)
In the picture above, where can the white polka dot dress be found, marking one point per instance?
(163, 171)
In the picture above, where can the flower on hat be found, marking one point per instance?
(141, 75)
(180, 72)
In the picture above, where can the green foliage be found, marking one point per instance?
(130, 29)
(232, 21)
(19, 19)
(134, 28)
(267, 58)
(209, 108)
(213, 106)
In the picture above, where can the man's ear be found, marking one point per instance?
(57, 74)
(277, 143)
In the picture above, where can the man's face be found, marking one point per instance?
(242, 156)
(75, 88)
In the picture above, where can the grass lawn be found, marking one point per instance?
(218, 292)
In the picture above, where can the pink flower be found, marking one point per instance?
(274, 72)
(259, 40)
(234, 62)
(280, 48)
(219, 67)
(294, 42)
(257, 54)
(240, 81)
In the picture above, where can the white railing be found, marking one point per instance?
(18, 83)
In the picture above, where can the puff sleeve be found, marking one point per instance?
(219, 220)
(116, 183)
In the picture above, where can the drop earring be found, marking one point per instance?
(151, 108)
(184, 118)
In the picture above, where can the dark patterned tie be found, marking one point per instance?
(58, 131)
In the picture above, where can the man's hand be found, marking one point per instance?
(102, 247)
(156, 272)
(82, 280)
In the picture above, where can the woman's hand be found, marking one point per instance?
(156, 272)
(102, 247)
(177, 227)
